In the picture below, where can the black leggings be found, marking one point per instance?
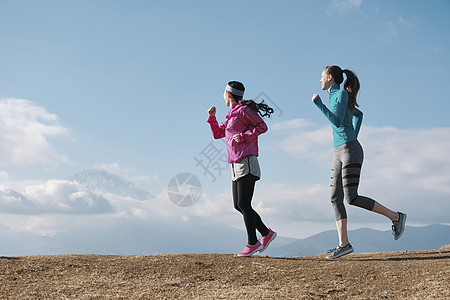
(242, 197)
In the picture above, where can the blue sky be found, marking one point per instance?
(125, 86)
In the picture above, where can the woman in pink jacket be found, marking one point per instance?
(241, 128)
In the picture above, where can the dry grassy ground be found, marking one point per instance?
(396, 275)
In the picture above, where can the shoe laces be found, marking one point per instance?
(333, 249)
(394, 228)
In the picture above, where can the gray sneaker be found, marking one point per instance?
(340, 251)
(399, 226)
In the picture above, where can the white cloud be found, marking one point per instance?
(294, 203)
(403, 168)
(405, 23)
(53, 197)
(348, 4)
(391, 30)
(397, 154)
(294, 124)
(218, 204)
(343, 6)
(39, 224)
(312, 145)
(130, 174)
(138, 212)
(301, 140)
(391, 153)
(24, 131)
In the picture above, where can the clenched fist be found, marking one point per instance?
(212, 111)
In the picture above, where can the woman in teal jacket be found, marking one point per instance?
(346, 121)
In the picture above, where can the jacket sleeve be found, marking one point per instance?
(256, 125)
(357, 120)
(218, 131)
(336, 113)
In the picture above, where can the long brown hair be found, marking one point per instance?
(351, 84)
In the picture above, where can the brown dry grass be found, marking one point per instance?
(396, 275)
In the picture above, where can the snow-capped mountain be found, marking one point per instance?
(97, 180)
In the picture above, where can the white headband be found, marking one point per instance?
(234, 91)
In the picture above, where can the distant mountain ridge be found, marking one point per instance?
(98, 180)
(138, 238)
(366, 240)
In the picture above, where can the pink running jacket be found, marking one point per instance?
(240, 119)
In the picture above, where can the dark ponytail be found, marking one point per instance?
(261, 108)
(352, 87)
(351, 84)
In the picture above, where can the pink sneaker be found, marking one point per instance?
(251, 249)
(267, 239)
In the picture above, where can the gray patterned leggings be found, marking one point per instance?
(345, 173)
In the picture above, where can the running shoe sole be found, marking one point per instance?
(251, 253)
(274, 235)
(337, 254)
(402, 220)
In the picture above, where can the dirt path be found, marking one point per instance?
(396, 275)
